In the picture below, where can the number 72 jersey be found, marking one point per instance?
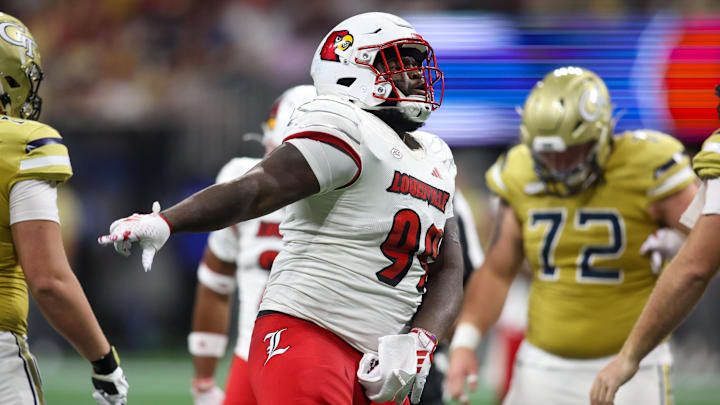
(589, 280)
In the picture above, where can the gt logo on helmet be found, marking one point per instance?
(336, 42)
(20, 40)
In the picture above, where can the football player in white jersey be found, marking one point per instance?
(34, 161)
(239, 256)
(362, 272)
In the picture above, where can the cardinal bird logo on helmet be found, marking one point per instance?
(337, 41)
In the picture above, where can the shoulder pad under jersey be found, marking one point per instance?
(437, 149)
(327, 117)
(655, 161)
(32, 150)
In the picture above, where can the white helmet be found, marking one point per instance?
(281, 111)
(343, 64)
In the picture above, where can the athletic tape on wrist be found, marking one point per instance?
(466, 335)
(107, 363)
(207, 344)
(215, 281)
(427, 333)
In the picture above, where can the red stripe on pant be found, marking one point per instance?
(296, 361)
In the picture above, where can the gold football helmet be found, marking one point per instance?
(20, 70)
(567, 124)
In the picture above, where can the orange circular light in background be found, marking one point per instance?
(693, 71)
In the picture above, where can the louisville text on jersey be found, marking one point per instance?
(405, 184)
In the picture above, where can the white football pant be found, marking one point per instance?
(541, 378)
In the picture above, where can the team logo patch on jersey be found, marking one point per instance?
(272, 349)
(403, 183)
(337, 43)
(396, 153)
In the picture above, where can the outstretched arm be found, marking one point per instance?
(680, 287)
(282, 178)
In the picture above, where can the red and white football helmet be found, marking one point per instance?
(281, 111)
(344, 64)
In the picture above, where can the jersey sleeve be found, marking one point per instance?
(670, 165)
(33, 200)
(707, 162)
(333, 169)
(44, 156)
(224, 244)
(235, 168)
(706, 202)
(330, 121)
(495, 178)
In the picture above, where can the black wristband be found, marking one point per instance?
(107, 363)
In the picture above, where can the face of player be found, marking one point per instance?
(566, 161)
(409, 82)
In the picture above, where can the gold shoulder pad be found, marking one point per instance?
(707, 162)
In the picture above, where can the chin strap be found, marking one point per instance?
(416, 111)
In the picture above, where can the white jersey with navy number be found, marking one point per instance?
(355, 255)
(252, 245)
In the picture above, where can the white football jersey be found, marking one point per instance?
(252, 245)
(354, 258)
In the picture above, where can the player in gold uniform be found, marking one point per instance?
(33, 161)
(683, 282)
(578, 203)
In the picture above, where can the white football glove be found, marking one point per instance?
(150, 230)
(210, 396)
(400, 368)
(389, 375)
(662, 245)
(425, 344)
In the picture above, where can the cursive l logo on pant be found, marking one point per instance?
(272, 349)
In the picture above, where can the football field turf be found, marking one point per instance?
(163, 379)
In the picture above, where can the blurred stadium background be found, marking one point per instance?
(154, 96)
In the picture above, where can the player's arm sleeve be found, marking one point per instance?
(224, 243)
(45, 158)
(671, 171)
(327, 134)
(495, 178)
(33, 200)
